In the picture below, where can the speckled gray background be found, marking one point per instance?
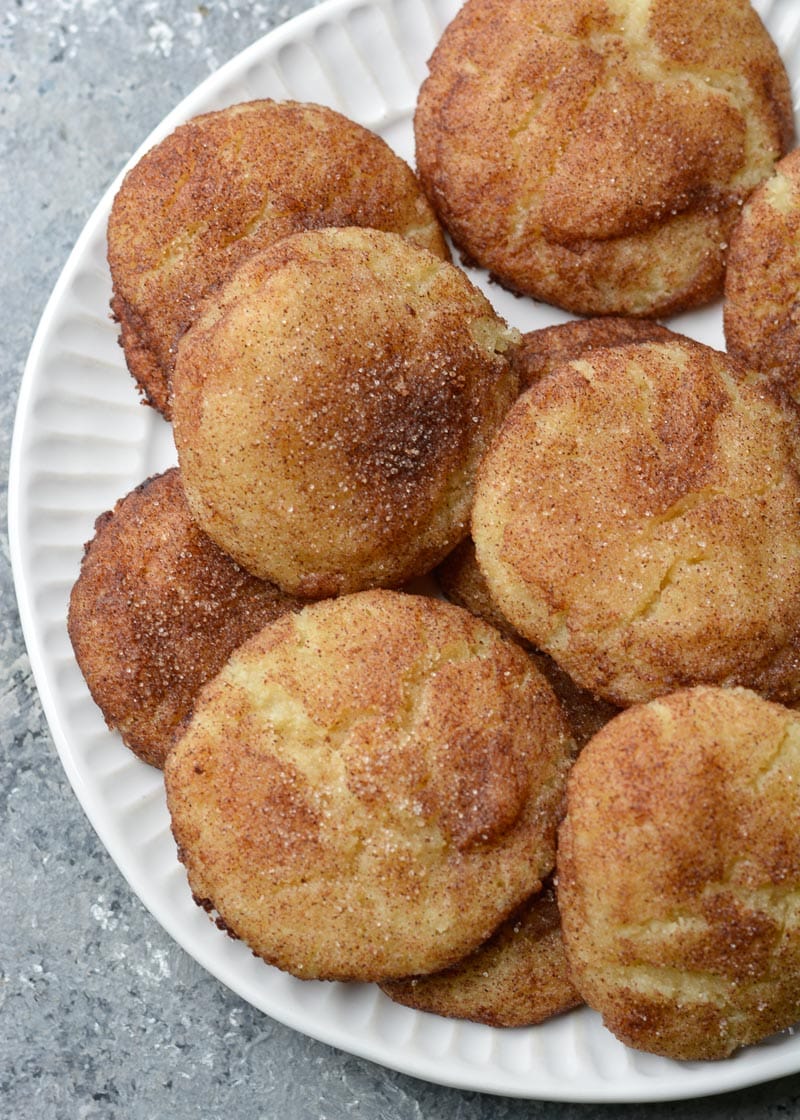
(101, 1014)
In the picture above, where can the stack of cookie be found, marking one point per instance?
(597, 731)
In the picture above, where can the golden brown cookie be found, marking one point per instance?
(637, 519)
(519, 977)
(462, 582)
(762, 305)
(594, 153)
(679, 873)
(155, 612)
(231, 182)
(370, 787)
(331, 406)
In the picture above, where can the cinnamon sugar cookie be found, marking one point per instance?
(762, 283)
(331, 405)
(679, 873)
(637, 518)
(155, 612)
(370, 787)
(594, 153)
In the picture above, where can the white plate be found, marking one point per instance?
(82, 440)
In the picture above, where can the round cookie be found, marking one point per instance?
(226, 184)
(679, 873)
(594, 153)
(331, 406)
(155, 612)
(761, 307)
(463, 583)
(370, 787)
(518, 978)
(637, 519)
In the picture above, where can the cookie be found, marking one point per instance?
(156, 610)
(331, 405)
(595, 155)
(679, 873)
(370, 787)
(637, 519)
(761, 309)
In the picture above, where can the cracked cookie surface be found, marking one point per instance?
(369, 787)
(637, 519)
(595, 153)
(679, 873)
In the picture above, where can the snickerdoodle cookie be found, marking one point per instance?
(155, 612)
(331, 405)
(637, 519)
(370, 787)
(226, 184)
(594, 153)
(679, 873)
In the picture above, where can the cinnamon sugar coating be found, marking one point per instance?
(370, 787)
(542, 350)
(762, 282)
(155, 612)
(679, 873)
(594, 153)
(637, 519)
(331, 406)
(518, 978)
(231, 182)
